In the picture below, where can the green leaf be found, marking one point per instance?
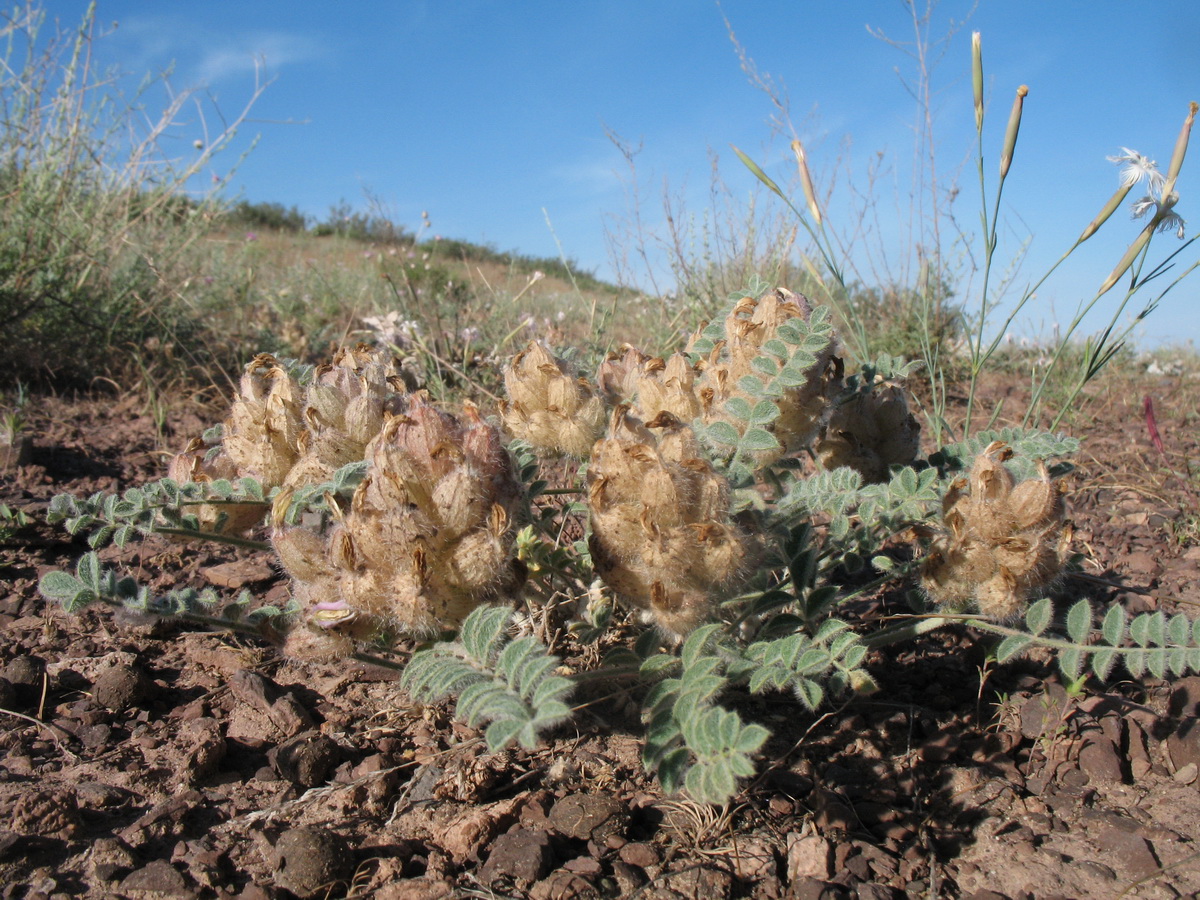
(87, 570)
(810, 692)
(1012, 646)
(758, 440)
(1156, 629)
(1071, 663)
(764, 413)
(739, 408)
(1113, 629)
(1079, 622)
(1156, 662)
(1179, 630)
(1139, 629)
(671, 769)
(60, 586)
(722, 433)
(1102, 662)
(1038, 617)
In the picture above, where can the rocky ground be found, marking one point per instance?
(142, 758)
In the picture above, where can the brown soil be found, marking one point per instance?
(151, 759)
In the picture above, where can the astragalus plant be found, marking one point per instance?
(734, 499)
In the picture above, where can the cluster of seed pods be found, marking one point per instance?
(1004, 542)
(661, 532)
(428, 535)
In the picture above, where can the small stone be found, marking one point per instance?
(1187, 774)
(8, 694)
(239, 573)
(205, 745)
(1101, 760)
(809, 857)
(47, 813)
(1128, 851)
(816, 889)
(157, 877)
(521, 855)
(121, 687)
(877, 892)
(26, 674)
(638, 854)
(306, 759)
(753, 859)
(310, 861)
(589, 817)
(1183, 745)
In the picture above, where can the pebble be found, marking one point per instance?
(589, 817)
(121, 687)
(638, 854)
(809, 856)
(157, 877)
(1187, 774)
(522, 854)
(306, 759)
(310, 861)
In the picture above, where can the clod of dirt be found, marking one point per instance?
(49, 813)
(158, 878)
(311, 860)
(306, 759)
(26, 674)
(206, 749)
(589, 817)
(522, 855)
(122, 687)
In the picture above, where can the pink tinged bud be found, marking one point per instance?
(977, 78)
(1010, 134)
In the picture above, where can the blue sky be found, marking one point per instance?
(494, 116)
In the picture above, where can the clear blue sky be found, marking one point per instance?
(486, 113)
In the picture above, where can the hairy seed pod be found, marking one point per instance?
(870, 433)
(661, 534)
(549, 405)
(1003, 542)
(263, 430)
(618, 375)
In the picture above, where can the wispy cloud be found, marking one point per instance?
(204, 56)
(225, 59)
(591, 176)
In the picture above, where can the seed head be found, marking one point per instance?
(262, 433)
(661, 533)
(1003, 543)
(549, 405)
(870, 433)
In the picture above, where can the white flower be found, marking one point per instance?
(1136, 167)
(1143, 206)
(1164, 215)
(1169, 221)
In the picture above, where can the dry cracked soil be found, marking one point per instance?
(146, 758)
